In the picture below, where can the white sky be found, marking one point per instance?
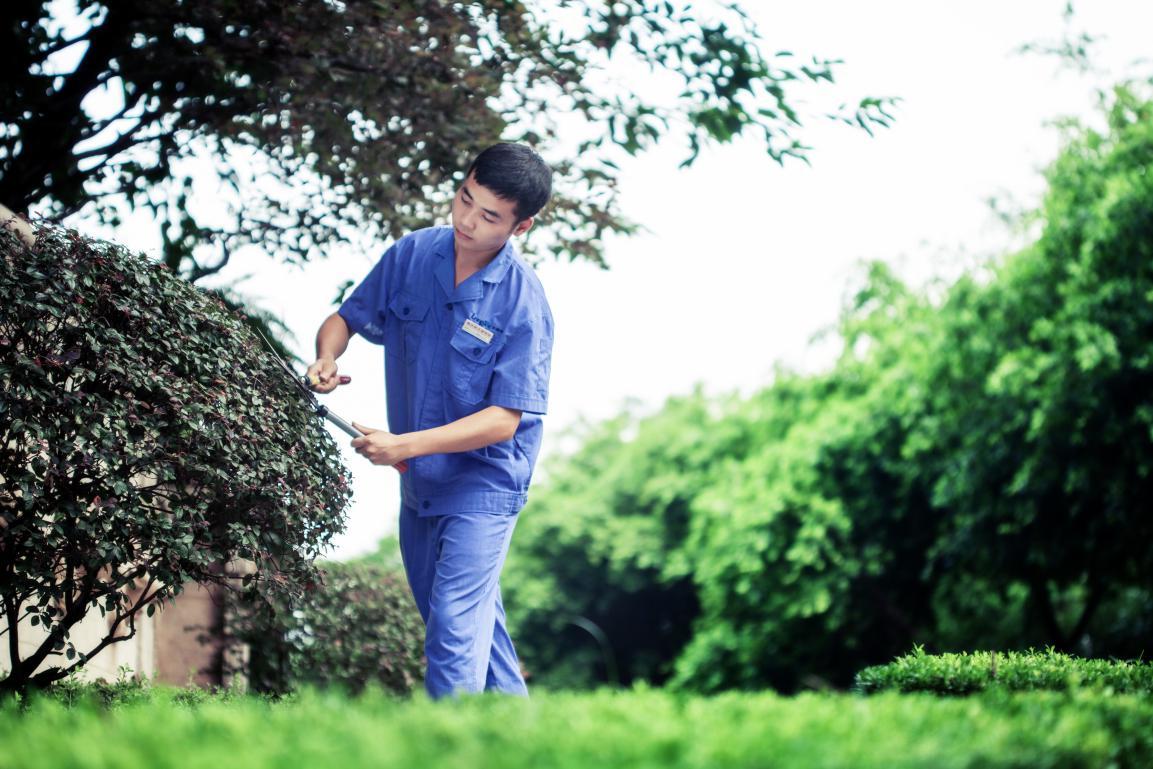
(744, 262)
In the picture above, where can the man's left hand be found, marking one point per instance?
(380, 446)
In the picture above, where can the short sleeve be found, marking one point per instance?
(363, 310)
(520, 377)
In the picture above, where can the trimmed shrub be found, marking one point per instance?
(125, 690)
(128, 690)
(1012, 671)
(147, 439)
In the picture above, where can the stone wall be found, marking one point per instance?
(181, 644)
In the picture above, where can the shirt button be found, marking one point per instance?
(475, 351)
(426, 504)
(405, 310)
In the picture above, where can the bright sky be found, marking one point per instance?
(744, 262)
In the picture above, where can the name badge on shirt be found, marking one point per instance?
(473, 328)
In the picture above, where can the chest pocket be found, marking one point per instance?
(406, 323)
(470, 365)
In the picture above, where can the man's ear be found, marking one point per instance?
(523, 226)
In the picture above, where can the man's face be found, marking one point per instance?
(482, 221)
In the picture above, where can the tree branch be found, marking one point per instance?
(97, 127)
(11, 608)
(21, 670)
(197, 272)
(121, 143)
(43, 54)
(112, 638)
(54, 122)
(69, 574)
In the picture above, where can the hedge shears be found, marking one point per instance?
(302, 385)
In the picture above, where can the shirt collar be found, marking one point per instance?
(493, 272)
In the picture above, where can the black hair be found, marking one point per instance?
(514, 172)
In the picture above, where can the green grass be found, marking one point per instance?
(640, 728)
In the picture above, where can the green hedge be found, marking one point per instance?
(642, 728)
(148, 439)
(1011, 671)
(357, 626)
(127, 691)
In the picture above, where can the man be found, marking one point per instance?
(467, 334)
(16, 224)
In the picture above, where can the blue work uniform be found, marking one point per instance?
(451, 351)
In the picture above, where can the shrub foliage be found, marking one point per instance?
(357, 627)
(626, 729)
(1012, 671)
(146, 440)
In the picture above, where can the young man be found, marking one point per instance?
(467, 334)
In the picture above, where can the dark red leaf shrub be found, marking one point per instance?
(146, 440)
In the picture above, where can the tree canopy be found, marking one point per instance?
(974, 471)
(297, 125)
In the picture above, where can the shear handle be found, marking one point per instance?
(350, 430)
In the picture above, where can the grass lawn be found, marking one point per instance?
(638, 728)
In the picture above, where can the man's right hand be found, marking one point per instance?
(322, 376)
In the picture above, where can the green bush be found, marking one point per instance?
(604, 729)
(356, 627)
(147, 440)
(968, 673)
(973, 472)
(595, 587)
(127, 690)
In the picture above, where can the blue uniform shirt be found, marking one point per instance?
(451, 351)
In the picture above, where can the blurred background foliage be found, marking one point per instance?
(973, 472)
(355, 627)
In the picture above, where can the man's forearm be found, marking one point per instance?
(484, 428)
(332, 338)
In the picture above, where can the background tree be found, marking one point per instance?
(605, 536)
(974, 471)
(146, 440)
(322, 122)
(1044, 391)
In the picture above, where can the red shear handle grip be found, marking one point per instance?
(314, 380)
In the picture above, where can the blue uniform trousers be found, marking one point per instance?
(453, 564)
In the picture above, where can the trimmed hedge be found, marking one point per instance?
(641, 728)
(148, 439)
(126, 691)
(966, 673)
